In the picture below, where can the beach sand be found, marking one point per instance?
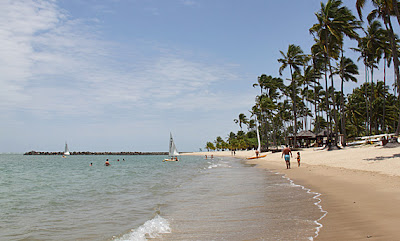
(359, 186)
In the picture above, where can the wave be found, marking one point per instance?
(218, 163)
(151, 229)
(317, 203)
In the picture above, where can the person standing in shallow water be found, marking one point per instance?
(285, 152)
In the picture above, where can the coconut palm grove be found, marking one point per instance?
(314, 99)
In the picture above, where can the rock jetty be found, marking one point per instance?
(95, 153)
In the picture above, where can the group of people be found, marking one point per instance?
(107, 163)
(285, 153)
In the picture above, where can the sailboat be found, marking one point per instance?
(258, 148)
(66, 151)
(173, 152)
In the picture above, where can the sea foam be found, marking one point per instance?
(150, 229)
(317, 203)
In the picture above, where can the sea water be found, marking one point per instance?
(141, 198)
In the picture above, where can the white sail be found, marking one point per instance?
(172, 148)
(66, 151)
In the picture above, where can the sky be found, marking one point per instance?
(120, 75)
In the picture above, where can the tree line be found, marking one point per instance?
(311, 100)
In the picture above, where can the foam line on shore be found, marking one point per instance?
(150, 229)
(316, 197)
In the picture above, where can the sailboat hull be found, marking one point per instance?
(256, 157)
(170, 160)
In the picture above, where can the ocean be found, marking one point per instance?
(142, 198)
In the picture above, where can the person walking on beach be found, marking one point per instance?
(298, 159)
(286, 152)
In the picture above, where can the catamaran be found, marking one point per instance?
(66, 151)
(258, 148)
(173, 152)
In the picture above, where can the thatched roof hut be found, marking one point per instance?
(303, 139)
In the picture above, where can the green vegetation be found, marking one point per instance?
(311, 101)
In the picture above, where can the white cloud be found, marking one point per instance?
(53, 65)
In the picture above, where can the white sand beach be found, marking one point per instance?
(360, 188)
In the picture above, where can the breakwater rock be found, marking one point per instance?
(95, 153)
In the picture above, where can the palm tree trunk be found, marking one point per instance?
(334, 105)
(366, 101)
(342, 115)
(274, 133)
(294, 106)
(372, 119)
(343, 122)
(315, 101)
(327, 102)
(384, 96)
(304, 116)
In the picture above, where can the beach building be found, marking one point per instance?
(303, 139)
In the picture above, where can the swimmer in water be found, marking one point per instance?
(107, 163)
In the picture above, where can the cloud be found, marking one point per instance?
(54, 66)
(20, 22)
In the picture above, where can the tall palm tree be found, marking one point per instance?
(284, 116)
(346, 69)
(383, 10)
(365, 55)
(294, 59)
(320, 63)
(306, 79)
(373, 41)
(334, 22)
(387, 57)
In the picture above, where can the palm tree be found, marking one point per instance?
(283, 115)
(319, 56)
(261, 81)
(372, 43)
(294, 59)
(365, 56)
(219, 143)
(334, 22)
(387, 56)
(210, 146)
(319, 95)
(308, 77)
(383, 10)
(242, 120)
(346, 69)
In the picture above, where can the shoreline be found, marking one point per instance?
(359, 187)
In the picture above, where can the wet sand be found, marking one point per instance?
(360, 188)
